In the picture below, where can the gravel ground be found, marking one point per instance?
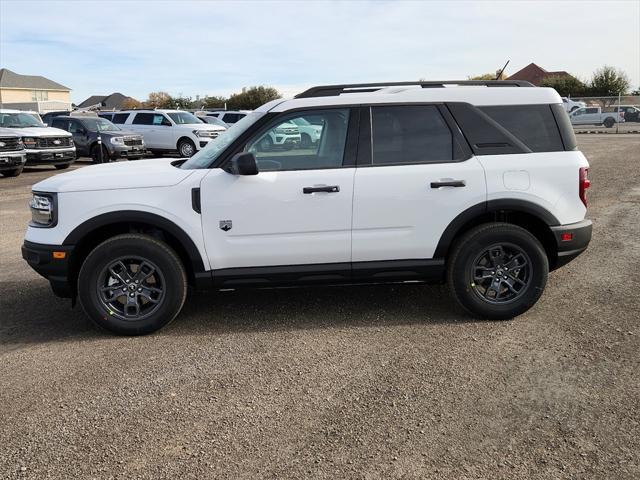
(353, 382)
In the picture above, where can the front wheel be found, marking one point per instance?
(132, 284)
(497, 271)
(186, 148)
(63, 166)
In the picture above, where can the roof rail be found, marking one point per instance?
(333, 90)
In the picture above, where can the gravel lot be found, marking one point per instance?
(355, 382)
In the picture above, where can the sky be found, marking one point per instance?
(217, 47)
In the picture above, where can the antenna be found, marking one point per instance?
(502, 71)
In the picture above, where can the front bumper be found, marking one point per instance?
(41, 258)
(571, 240)
(51, 156)
(11, 160)
(126, 151)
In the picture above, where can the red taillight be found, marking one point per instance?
(566, 237)
(583, 184)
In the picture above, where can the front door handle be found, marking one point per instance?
(449, 183)
(322, 188)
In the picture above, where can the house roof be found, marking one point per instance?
(536, 74)
(9, 79)
(107, 101)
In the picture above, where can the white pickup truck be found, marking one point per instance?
(571, 105)
(595, 116)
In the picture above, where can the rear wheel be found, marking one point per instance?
(132, 284)
(14, 172)
(497, 271)
(609, 122)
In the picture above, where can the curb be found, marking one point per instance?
(578, 132)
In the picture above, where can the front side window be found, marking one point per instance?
(292, 143)
(410, 134)
(74, 127)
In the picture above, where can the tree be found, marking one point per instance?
(252, 97)
(211, 103)
(488, 76)
(608, 82)
(130, 104)
(183, 103)
(159, 100)
(566, 85)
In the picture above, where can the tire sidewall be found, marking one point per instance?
(99, 258)
(182, 144)
(461, 275)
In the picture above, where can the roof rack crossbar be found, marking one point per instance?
(333, 90)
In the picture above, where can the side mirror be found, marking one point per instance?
(244, 164)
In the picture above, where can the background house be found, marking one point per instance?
(536, 74)
(32, 92)
(115, 101)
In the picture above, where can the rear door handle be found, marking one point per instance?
(449, 183)
(322, 188)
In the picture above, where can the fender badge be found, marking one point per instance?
(225, 225)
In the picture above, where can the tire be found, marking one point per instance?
(609, 122)
(63, 166)
(475, 252)
(155, 301)
(573, 109)
(186, 148)
(14, 172)
(95, 154)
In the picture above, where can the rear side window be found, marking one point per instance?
(108, 116)
(60, 123)
(410, 134)
(150, 119)
(533, 125)
(120, 118)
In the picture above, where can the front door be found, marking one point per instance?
(296, 211)
(416, 179)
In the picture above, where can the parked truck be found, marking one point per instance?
(595, 116)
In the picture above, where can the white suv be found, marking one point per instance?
(167, 130)
(476, 183)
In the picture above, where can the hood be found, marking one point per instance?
(116, 176)
(40, 132)
(203, 126)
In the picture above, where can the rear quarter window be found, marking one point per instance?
(533, 125)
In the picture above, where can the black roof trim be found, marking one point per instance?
(333, 90)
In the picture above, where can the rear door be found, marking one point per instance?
(155, 128)
(414, 176)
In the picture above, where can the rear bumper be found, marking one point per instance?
(571, 240)
(56, 270)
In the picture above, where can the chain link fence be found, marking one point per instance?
(604, 114)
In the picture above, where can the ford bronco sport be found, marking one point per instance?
(476, 183)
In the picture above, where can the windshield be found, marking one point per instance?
(18, 120)
(100, 125)
(214, 121)
(183, 118)
(204, 157)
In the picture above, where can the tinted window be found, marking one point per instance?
(410, 134)
(149, 119)
(592, 110)
(60, 123)
(120, 118)
(108, 116)
(75, 127)
(533, 125)
(232, 117)
(287, 145)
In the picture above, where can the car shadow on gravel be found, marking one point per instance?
(30, 313)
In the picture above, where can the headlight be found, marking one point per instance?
(43, 210)
(205, 133)
(71, 142)
(117, 140)
(29, 142)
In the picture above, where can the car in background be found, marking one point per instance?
(100, 139)
(571, 105)
(43, 145)
(167, 130)
(595, 116)
(12, 156)
(631, 112)
(285, 137)
(309, 133)
(228, 116)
